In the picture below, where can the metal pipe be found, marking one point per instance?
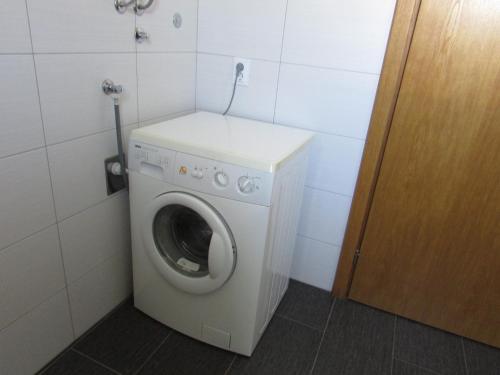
(119, 141)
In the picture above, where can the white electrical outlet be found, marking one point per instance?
(245, 74)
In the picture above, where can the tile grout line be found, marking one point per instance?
(108, 197)
(108, 130)
(47, 145)
(87, 333)
(54, 360)
(322, 132)
(464, 356)
(328, 191)
(63, 264)
(317, 240)
(196, 56)
(131, 52)
(280, 62)
(292, 63)
(137, 76)
(25, 313)
(93, 267)
(95, 361)
(417, 366)
(74, 139)
(231, 364)
(152, 353)
(81, 338)
(298, 322)
(21, 152)
(393, 342)
(38, 231)
(16, 53)
(322, 337)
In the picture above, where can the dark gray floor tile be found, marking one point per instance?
(181, 355)
(429, 347)
(358, 341)
(286, 348)
(404, 368)
(75, 364)
(481, 359)
(124, 340)
(306, 304)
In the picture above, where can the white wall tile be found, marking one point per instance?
(14, 30)
(73, 104)
(30, 272)
(33, 340)
(326, 100)
(215, 79)
(165, 118)
(324, 216)
(21, 124)
(77, 170)
(157, 21)
(99, 291)
(349, 35)
(81, 26)
(334, 163)
(94, 235)
(252, 29)
(25, 196)
(315, 262)
(167, 83)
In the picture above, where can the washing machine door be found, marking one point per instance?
(189, 242)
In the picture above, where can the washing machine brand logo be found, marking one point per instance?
(137, 146)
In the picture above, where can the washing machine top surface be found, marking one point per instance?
(248, 143)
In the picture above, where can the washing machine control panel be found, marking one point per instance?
(223, 179)
(201, 174)
(151, 161)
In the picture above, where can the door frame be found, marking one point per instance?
(398, 46)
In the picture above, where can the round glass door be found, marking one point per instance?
(183, 238)
(189, 242)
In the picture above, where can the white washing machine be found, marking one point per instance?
(215, 206)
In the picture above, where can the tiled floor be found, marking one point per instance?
(310, 334)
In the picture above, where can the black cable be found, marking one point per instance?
(239, 69)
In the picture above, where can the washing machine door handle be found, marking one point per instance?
(216, 256)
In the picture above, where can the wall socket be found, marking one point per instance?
(245, 75)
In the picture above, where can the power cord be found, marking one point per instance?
(239, 69)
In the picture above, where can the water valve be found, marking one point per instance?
(140, 35)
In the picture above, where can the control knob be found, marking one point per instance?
(246, 185)
(221, 179)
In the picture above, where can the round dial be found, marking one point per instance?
(246, 185)
(221, 179)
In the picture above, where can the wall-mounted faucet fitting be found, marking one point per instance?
(140, 7)
(122, 5)
(140, 35)
(110, 88)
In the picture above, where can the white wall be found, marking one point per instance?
(315, 65)
(64, 244)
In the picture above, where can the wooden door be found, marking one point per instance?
(431, 247)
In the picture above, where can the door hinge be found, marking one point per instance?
(357, 253)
